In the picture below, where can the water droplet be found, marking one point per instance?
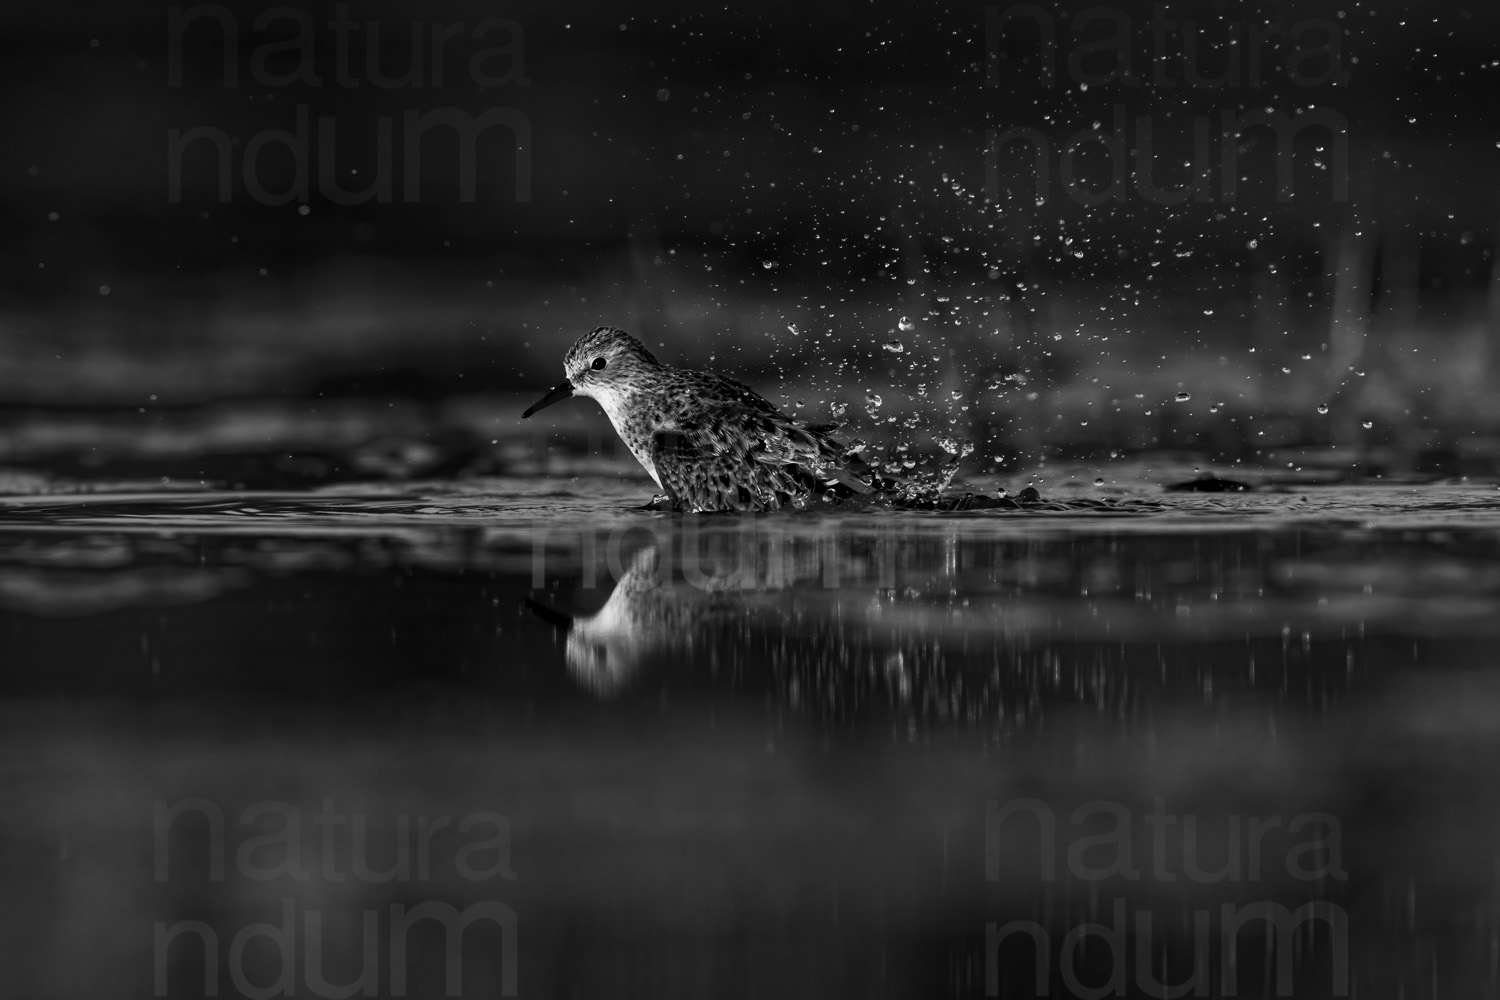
(1099, 482)
(873, 400)
(905, 325)
(793, 328)
(1322, 408)
(1286, 371)
(1183, 397)
(894, 346)
(839, 409)
(1369, 424)
(800, 403)
(768, 264)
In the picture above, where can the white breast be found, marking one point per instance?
(614, 408)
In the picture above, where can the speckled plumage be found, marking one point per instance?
(708, 441)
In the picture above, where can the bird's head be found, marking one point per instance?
(603, 363)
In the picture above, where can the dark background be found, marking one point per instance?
(789, 791)
(710, 180)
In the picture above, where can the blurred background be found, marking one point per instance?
(255, 245)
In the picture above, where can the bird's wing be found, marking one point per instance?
(793, 441)
(737, 457)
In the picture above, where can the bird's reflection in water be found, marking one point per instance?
(605, 648)
(672, 603)
(943, 628)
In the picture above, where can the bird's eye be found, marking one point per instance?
(599, 363)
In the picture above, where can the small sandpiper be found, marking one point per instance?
(708, 441)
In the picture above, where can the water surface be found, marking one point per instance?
(813, 754)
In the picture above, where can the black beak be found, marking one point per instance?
(560, 393)
(551, 616)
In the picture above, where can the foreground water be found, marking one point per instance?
(280, 744)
